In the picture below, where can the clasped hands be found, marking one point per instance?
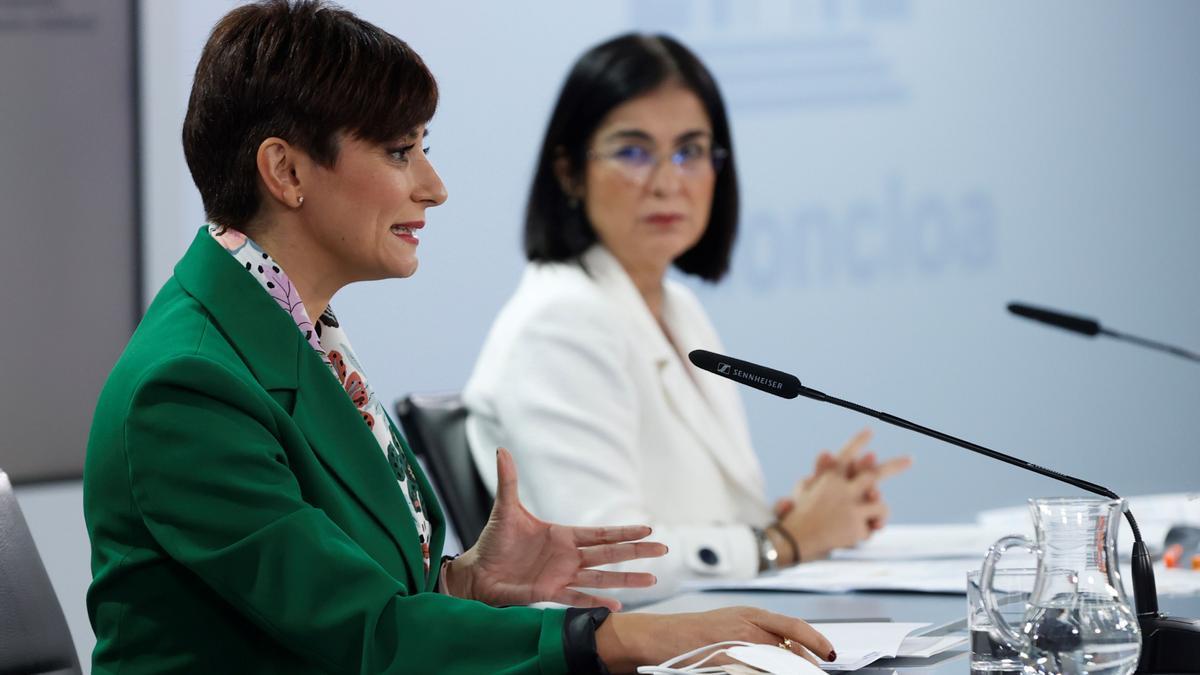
(839, 505)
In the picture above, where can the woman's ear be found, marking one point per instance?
(571, 187)
(277, 161)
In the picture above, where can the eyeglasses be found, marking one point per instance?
(638, 162)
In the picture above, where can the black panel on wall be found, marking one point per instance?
(69, 232)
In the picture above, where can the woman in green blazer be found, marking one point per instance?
(250, 505)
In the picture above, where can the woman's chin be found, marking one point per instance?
(405, 270)
(391, 269)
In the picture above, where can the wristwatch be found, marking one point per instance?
(768, 555)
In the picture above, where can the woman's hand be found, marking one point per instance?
(520, 559)
(626, 641)
(840, 504)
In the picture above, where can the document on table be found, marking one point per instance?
(927, 542)
(842, 576)
(860, 644)
(1170, 580)
(923, 647)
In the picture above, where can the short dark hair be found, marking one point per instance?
(606, 76)
(304, 71)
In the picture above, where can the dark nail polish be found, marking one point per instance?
(832, 656)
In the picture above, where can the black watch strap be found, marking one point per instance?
(579, 640)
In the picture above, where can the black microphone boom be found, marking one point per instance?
(1075, 324)
(761, 378)
(1169, 644)
(1091, 328)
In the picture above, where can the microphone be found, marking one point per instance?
(1077, 324)
(1168, 643)
(761, 378)
(1091, 328)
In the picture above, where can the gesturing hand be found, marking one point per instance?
(520, 559)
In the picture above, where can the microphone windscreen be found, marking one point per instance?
(1075, 324)
(750, 374)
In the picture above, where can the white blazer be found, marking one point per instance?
(609, 426)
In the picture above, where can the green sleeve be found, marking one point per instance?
(211, 482)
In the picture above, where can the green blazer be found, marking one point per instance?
(244, 520)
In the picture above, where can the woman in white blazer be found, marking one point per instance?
(584, 375)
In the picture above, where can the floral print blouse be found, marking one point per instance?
(329, 340)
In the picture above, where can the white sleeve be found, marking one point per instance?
(566, 404)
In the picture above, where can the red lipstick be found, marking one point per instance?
(408, 231)
(663, 218)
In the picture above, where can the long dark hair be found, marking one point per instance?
(603, 78)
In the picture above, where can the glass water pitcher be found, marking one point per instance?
(1078, 619)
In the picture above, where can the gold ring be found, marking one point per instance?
(786, 644)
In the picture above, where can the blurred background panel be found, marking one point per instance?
(69, 268)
